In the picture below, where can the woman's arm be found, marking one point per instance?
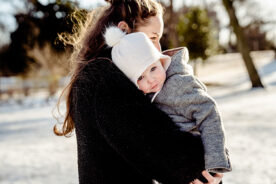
(143, 135)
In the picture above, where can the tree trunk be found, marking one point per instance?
(242, 45)
(0, 87)
(172, 24)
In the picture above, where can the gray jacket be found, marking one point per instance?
(184, 98)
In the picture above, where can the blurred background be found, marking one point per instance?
(232, 45)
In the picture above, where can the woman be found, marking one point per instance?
(121, 137)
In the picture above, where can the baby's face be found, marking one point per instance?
(152, 79)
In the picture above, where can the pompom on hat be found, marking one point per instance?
(133, 53)
(113, 35)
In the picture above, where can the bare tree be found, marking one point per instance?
(242, 45)
(173, 18)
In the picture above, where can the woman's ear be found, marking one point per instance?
(124, 26)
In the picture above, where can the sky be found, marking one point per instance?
(264, 9)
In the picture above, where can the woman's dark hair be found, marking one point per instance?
(88, 41)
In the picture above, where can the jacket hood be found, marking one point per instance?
(179, 62)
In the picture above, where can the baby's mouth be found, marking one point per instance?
(153, 87)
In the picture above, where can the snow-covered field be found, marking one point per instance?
(249, 116)
(31, 154)
(29, 151)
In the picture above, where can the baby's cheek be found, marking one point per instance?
(140, 86)
(144, 88)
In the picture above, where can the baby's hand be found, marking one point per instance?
(216, 179)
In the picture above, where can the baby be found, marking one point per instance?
(170, 84)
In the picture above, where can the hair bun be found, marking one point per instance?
(113, 35)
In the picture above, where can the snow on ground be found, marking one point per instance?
(29, 151)
(31, 154)
(249, 116)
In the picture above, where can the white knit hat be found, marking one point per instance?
(133, 53)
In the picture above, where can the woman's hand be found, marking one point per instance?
(211, 179)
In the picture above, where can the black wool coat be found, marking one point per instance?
(123, 138)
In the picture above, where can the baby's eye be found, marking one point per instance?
(140, 78)
(153, 38)
(153, 68)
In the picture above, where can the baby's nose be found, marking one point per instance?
(150, 79)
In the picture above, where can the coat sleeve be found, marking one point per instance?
(191, 101)
(140, 133)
